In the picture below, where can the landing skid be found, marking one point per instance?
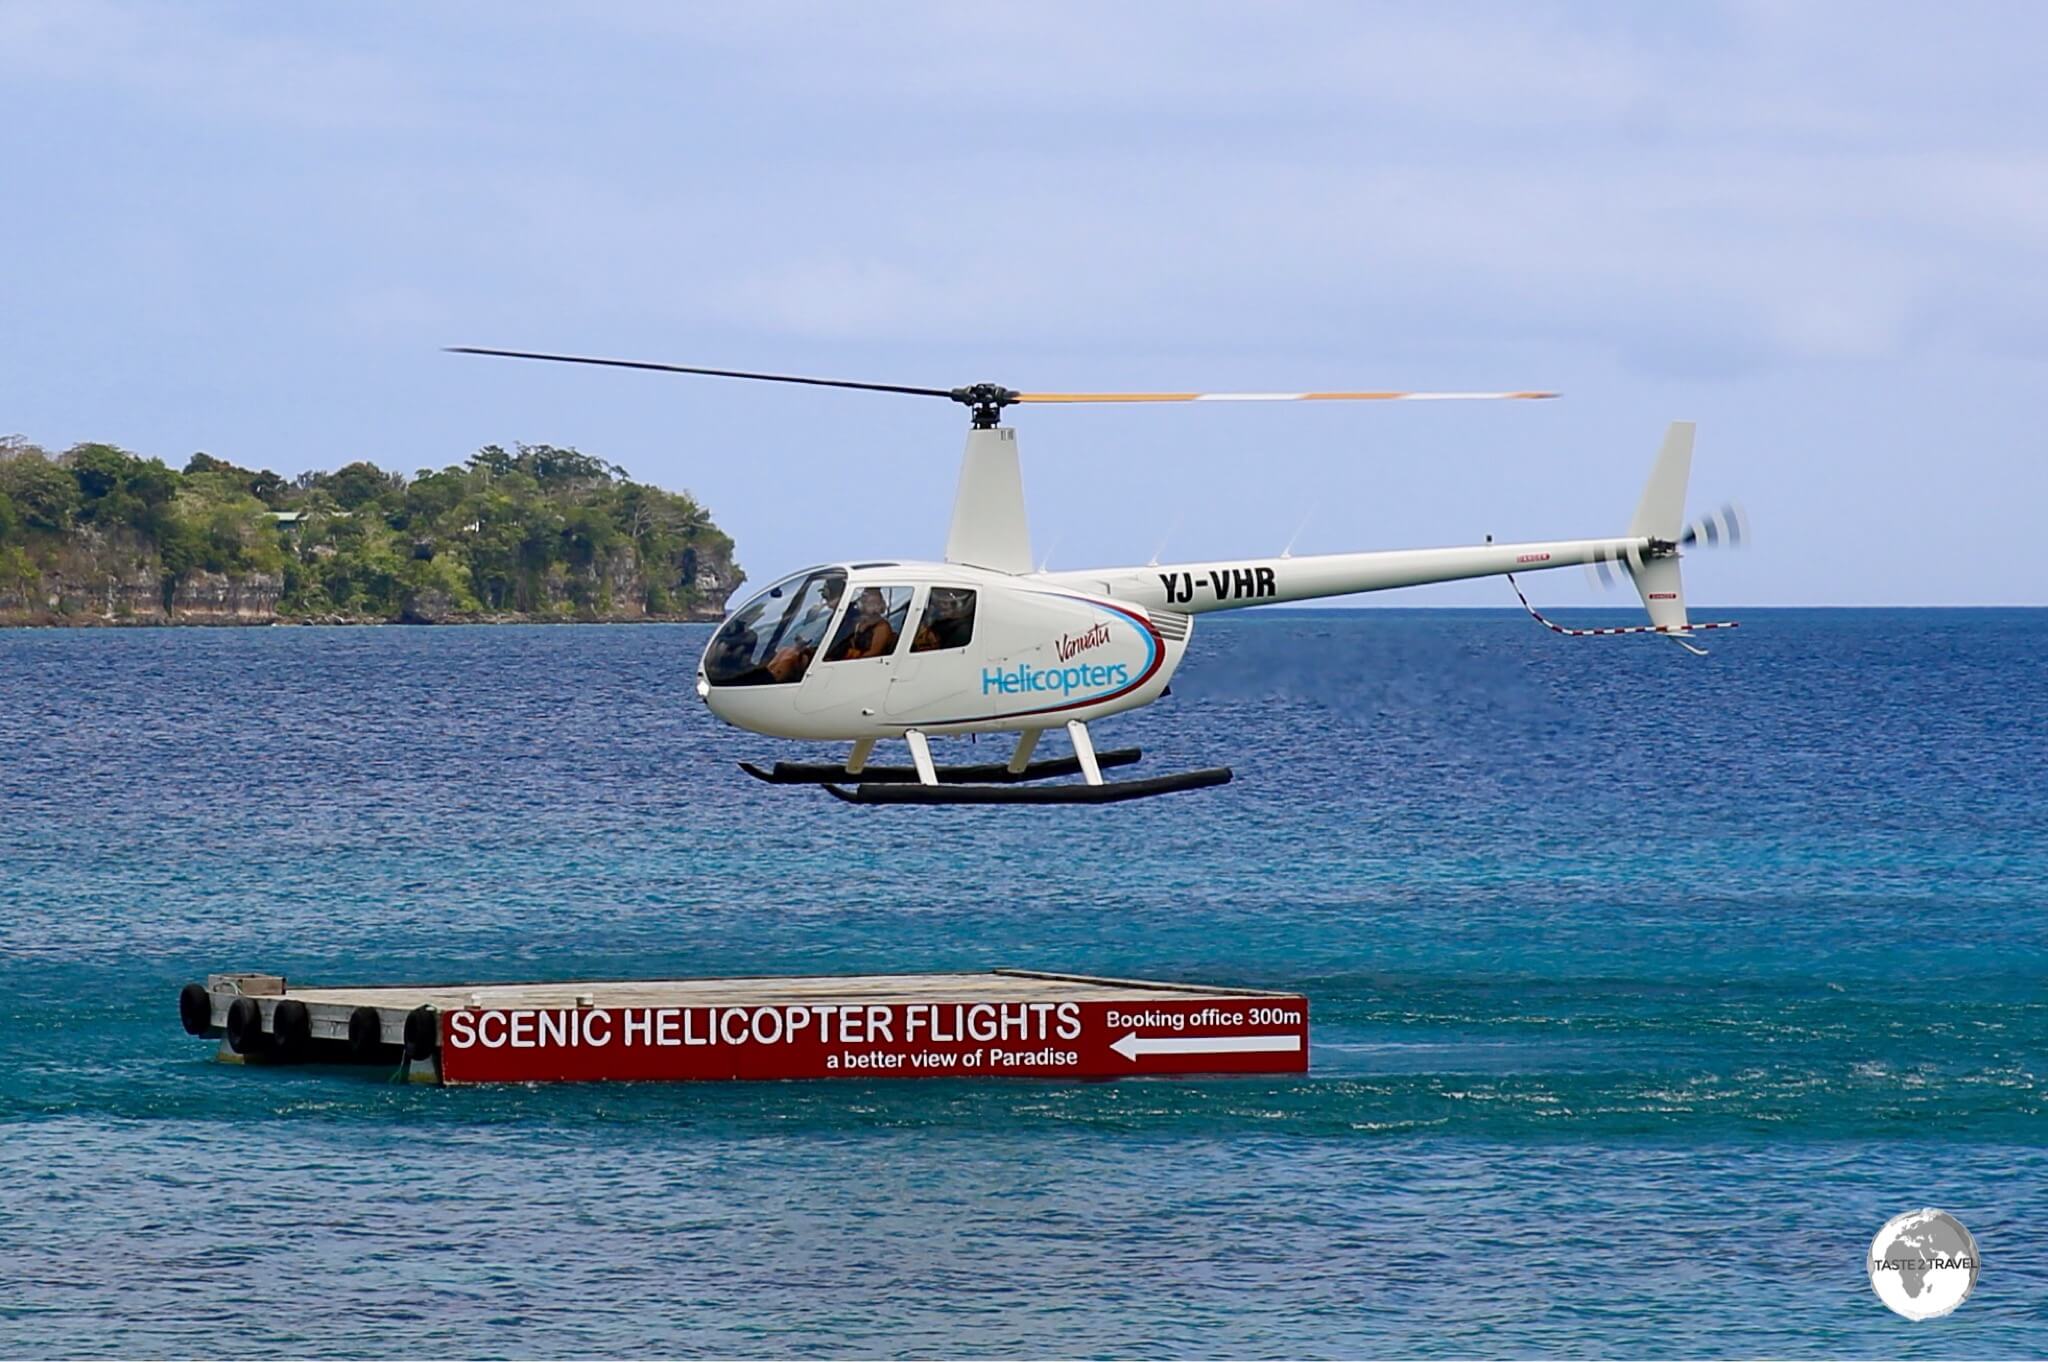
(1111, 792)
(991, 773)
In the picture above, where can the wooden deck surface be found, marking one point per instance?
(994, 986)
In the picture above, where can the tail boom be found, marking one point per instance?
(1202, 588)
(1648, 552)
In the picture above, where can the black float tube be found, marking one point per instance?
(993, 773)
(1110, 793)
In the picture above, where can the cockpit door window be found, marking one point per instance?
(948, 620)
(872, 624)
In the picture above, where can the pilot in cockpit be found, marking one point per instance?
(794, 657)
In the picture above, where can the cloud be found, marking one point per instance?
(174, 57)
(1658, 185)
(1662, 187)
(1800, 258)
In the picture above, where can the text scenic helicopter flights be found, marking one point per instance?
(979, 642)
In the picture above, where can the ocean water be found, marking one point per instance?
(1644, 989)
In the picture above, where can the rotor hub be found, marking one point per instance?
(985, 402)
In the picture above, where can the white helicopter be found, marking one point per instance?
(865, 651)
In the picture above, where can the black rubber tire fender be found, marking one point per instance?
(291, 1028)
(365, 1033)
(245, 1027)
(195, 1009)
(422, 1032)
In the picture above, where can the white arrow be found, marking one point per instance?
(1133, 1045)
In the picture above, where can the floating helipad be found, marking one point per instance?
(1001, 1024)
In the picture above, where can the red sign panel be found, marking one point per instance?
(955, 1039)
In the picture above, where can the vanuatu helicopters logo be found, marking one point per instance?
(1086, 679)
(1923, 1264)
(1025, 680)
(1069, 644)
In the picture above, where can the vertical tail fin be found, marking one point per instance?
(1660, 518)
(1661, 512)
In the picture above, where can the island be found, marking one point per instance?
(99, 535)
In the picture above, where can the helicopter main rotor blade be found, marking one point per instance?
(1279, 397)
(988, 399)
(714, 373)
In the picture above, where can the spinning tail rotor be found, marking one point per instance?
(1726, 526)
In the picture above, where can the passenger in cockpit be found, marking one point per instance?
(870, 634)
(948, 621)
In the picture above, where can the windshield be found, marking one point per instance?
(771, 640)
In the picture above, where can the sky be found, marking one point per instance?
(1820, 231)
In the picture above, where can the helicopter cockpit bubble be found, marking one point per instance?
(771, 640)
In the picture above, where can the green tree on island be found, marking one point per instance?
(537, 531)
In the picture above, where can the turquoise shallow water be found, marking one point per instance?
(1644, 990)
